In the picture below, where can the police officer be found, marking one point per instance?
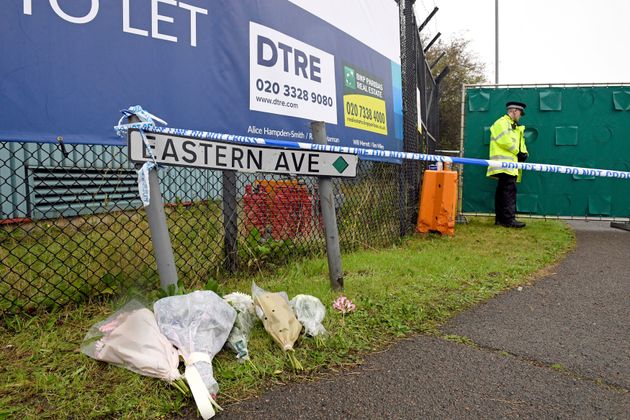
(507, 144)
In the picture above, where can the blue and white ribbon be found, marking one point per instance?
(146, 123)
(144, 187)
(538, 167)
(145, 117)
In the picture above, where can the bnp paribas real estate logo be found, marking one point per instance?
(349, 77)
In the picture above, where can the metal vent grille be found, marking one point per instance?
(75, 191)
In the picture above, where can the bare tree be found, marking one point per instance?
(465, 67)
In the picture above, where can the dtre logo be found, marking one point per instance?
(291, 59)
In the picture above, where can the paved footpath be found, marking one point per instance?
(559, 348)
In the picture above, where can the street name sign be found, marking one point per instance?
(207, 154)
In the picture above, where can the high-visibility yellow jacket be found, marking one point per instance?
(506, 141)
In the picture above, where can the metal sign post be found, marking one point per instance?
(162, 248)
(327, 204)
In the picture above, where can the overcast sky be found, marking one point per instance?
(541, 41)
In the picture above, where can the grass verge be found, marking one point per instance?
(402, 290)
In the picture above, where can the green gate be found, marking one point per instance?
(573, 125)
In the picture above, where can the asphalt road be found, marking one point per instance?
(578, 316)
(559, 348)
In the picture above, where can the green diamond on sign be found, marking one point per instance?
(340, 164)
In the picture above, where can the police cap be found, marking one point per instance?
(516, 105)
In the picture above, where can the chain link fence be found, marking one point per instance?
(421, 113)
(72, 225)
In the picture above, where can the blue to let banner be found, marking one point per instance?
(250, 67)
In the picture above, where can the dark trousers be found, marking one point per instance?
(505, 199)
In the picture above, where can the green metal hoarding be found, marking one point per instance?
(573, 125)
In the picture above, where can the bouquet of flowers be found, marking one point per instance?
(310, 311)
(279, 320)
(131, 338)
(345, 306)
(198, 324)
(245, 319)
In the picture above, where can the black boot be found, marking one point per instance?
(513, 224)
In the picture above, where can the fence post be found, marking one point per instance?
(327, 205)
(230, 220)
(409, 171)
(162, 248)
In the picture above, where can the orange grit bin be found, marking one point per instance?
(438, 202)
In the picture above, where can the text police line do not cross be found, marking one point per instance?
(205, 154)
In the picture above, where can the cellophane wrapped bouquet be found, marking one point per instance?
(198, 324)
(130, 338)
(279, 320)
(245, 319)
(310, 311)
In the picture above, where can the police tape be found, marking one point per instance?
(389, 154)
(145, 120)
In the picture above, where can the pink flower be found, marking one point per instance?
(109, 326)
(344, 305)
